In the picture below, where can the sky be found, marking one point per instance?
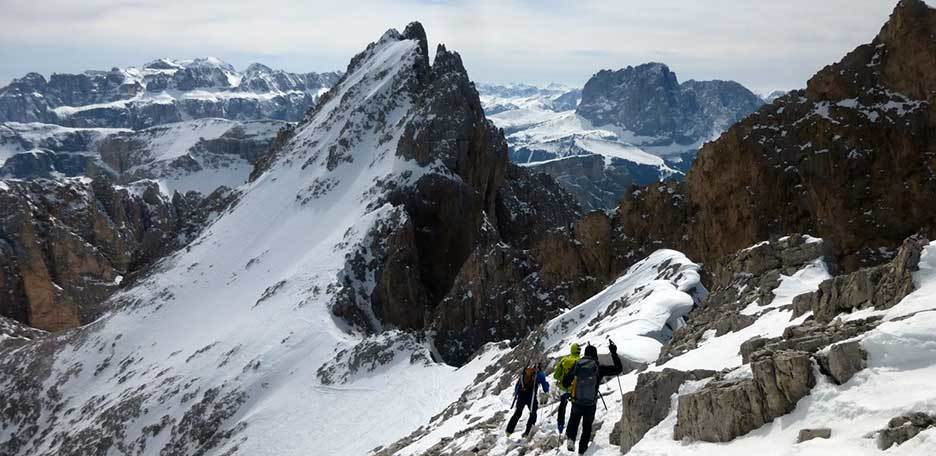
(764, 44)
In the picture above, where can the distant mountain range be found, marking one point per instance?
(644, 124)
(160, 92)
(189, 125)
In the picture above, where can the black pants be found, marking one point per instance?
(563, 400)
(585, 414)
(522, 403)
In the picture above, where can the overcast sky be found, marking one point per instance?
(764, 44)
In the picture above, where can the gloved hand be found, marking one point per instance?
(611, 347)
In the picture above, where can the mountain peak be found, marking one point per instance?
(415, 31)
(902, 59)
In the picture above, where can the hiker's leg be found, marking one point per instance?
(560, 415)
(574, 417)
(512, 424)
(588, 417)
(530, 422)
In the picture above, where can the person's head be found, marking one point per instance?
(574, 349)
(591, 352)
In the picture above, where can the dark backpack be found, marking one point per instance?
(586, 382)
(528, 380)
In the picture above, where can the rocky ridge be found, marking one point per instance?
(847, 159)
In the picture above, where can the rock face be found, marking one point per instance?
(847, 159)
(902, 428)
(843, 361)
(65, 246)
(649, 403)
(738, 280)
(880, 287)
(723, 410)
(137, 97)
(649, 101)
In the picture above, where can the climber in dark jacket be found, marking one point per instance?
(585, 372)
(525, 396)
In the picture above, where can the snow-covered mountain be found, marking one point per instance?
(641, 120)
(385, 239)
(162, 91)
(277, 331)
(197, 155)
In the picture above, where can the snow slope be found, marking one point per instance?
(638, 312)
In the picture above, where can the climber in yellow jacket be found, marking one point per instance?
(562, 367)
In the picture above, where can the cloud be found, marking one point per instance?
(764, 44)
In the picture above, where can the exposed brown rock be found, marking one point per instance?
(736, 281)
(649, 403)
(850, 160)
(806, 435)
(880, 287)
(843, 361)
(723, 410)
(902, 428)
(810, 337)
(63, 244)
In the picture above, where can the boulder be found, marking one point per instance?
(725, 409)
(806, 435)
(649, 403)
(843, 361)
(902, 428)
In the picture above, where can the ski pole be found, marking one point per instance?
(618, 376)
(600, 396)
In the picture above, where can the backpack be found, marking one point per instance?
(528, 379)
(586, 382)
(563, 367)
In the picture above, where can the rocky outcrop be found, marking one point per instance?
(649, 403)
(538, 261)
(843, 361)
(66, 245)
(723, 410)
(649, 101)
(880, 287)
(902, 428)
(128, 98)
(847, 159)
(736, 281)
(811, 336)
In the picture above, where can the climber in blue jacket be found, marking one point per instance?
(525, 396)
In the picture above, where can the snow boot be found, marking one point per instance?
(570, 444)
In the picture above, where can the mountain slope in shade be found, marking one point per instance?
(162, 91)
